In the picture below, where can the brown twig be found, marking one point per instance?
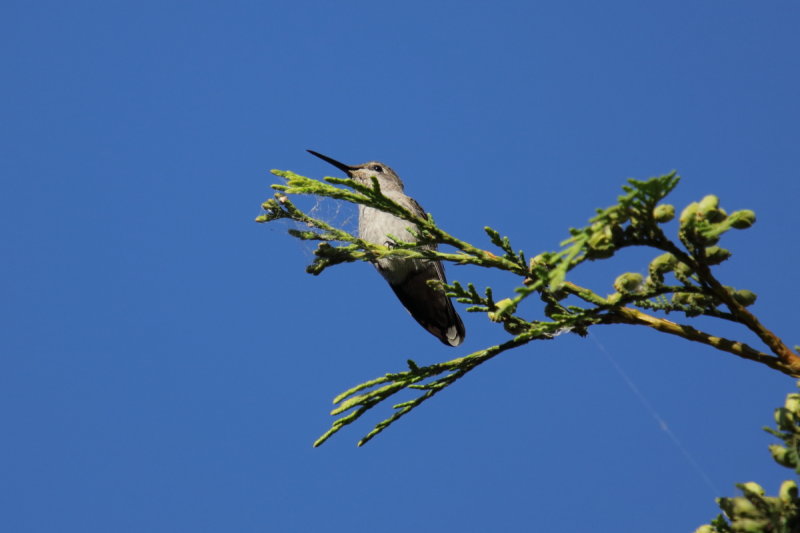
(789, 359)
(628, 315)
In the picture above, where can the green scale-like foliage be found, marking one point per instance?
(678, 279)
(754, 511)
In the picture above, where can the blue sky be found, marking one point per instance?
(166, 362)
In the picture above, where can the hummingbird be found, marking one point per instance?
(407, 277)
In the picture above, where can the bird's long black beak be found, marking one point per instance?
(347, 169)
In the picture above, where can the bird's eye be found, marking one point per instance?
(376, 168)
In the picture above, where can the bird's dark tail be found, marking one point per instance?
(430, 306)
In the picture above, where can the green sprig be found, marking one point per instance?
(637, 219)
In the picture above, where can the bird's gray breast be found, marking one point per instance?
(375, 226)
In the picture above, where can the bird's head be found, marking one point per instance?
(363, 173)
